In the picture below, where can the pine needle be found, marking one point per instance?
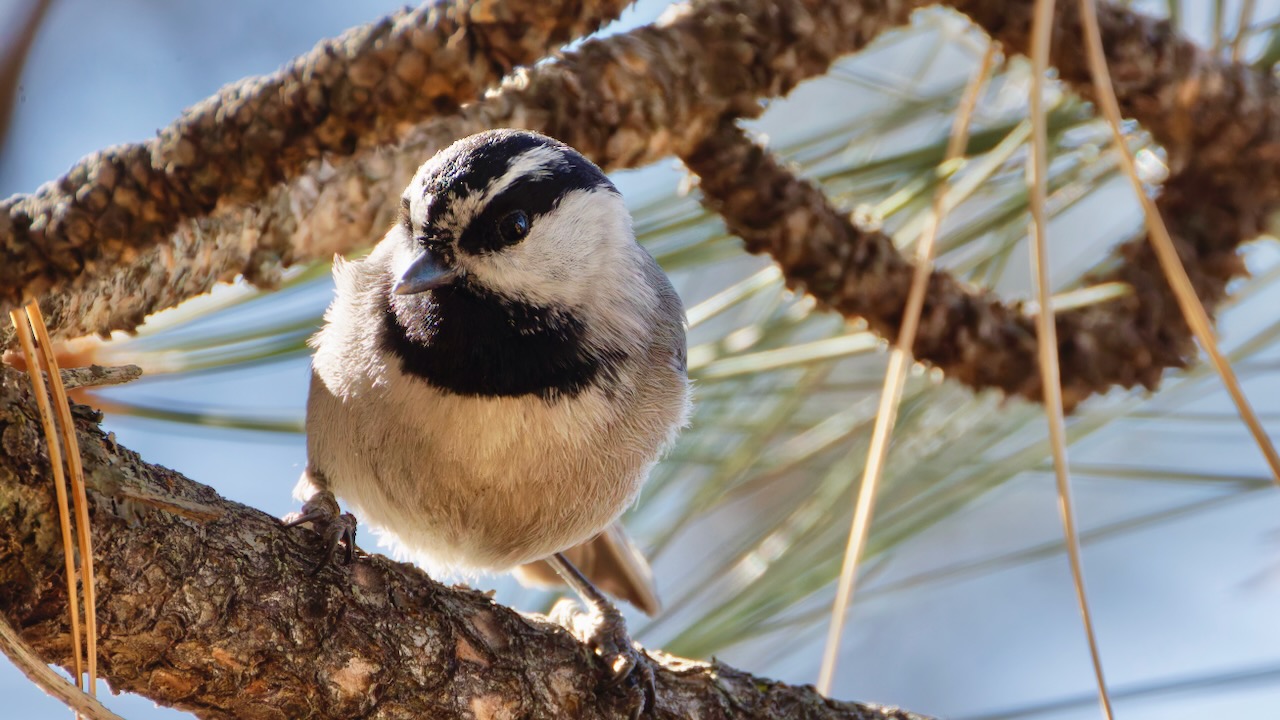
(895, 380)
(1046, 331)
(78, 497)
(35, 370)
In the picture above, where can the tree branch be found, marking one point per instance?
(1220, 124)
(210, 609)
(623, 101)
(216, 612)
(632, 99)
(1216, 119)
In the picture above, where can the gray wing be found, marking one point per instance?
(669, 333)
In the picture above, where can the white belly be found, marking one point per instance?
(485, 483)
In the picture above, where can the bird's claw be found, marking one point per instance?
(333, 526)
(627, 666)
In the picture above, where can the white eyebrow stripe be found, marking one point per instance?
(532, 163)
(535, 162)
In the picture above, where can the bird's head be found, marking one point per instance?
(513, 213)
(514, 256)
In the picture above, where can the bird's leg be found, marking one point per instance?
(608, 636)
(334, 527)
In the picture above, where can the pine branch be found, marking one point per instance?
(623, 101)
(216, 612)
(1220, 124)
(631, 99)
(212, 611)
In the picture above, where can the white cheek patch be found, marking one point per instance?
(581, 255)
(569, 253)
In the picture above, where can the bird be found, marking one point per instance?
(495, 380)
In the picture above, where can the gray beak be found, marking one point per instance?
(424, 273)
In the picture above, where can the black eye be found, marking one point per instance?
(513, 226)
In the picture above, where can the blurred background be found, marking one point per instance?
(967, 607)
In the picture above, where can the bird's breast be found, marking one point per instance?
(484, 482)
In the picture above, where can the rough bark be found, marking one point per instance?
(1218, 119)
(851, 266)
(210, 607)
(1219, 123)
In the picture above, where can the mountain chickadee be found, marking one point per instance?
(495, 380)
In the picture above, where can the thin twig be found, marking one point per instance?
(1193, 311)
(78, 497)
(20, 36)
(34, 369)
(1046, 331)
(895, 380)
(98, 375)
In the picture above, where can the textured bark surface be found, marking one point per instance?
(212, 609)
(624, 101)
(358, 90)
(851, 266)
(858, 271)
(1217, 119)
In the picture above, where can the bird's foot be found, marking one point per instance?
(627, 666)
(333, 526)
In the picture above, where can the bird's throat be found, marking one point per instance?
(469, 341)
